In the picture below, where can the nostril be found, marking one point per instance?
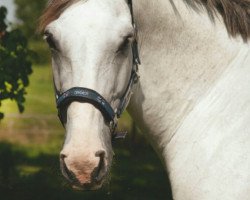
(65, 171)
(101, 168)
(100, 154)
(62, 156)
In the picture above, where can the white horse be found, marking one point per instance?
(192, 100)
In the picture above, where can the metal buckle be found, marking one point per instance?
(120, 135)
(137, 77)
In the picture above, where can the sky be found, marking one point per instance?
(9, 4)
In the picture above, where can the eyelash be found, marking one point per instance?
(124, 45)
(50, 40)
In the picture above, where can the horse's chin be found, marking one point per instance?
(87, 188)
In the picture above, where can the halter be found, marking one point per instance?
(90, 96)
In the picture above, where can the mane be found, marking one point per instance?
(235, 13)
(53, 11)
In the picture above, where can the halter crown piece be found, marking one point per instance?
(87, 95)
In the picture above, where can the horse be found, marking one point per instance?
(182, 70)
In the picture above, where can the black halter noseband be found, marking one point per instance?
(87, 95)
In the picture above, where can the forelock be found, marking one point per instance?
(53, 11)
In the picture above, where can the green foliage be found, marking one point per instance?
(15, 65)
(29, 11)
(3, 13)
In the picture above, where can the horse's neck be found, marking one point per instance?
(183, 56)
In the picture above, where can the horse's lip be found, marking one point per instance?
(86, 187)
(94, 185)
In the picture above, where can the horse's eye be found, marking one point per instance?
(50, 40)
(124, 45)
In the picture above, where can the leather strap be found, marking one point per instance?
(86, 95)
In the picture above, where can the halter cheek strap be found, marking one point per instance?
(87, 95)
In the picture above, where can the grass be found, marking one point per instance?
(31, 142)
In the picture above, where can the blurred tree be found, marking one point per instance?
(29, 11)
(15, 64)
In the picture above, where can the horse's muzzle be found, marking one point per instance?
(87, 173)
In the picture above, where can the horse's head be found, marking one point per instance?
(90, 43)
